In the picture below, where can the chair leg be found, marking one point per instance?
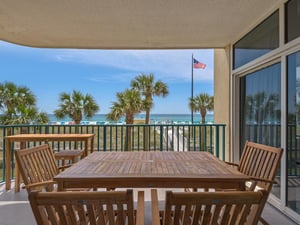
(140, 217)
(155, 207)
(263, 221)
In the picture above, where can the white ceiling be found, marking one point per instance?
(130, 24)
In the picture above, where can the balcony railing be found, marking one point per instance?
(161, 137)
(270, 134)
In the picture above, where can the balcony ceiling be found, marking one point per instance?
(129, 24)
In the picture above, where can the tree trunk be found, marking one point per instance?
(146, 137)
(128, 143)
(203, 135)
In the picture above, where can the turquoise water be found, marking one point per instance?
(154, 119)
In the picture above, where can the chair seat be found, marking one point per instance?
(71, 155)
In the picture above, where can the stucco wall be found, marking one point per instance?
(222, 92)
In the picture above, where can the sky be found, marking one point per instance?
(103, 73)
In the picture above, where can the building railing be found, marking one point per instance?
(137, 137)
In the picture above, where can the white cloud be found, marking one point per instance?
(165, 64)
(109, 78)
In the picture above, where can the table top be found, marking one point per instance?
(150, 169)
(48, 136)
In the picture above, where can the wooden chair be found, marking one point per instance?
(208, 208)
(37, 166)
(70, 208)
(260, 162)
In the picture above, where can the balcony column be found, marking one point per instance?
(222, 93)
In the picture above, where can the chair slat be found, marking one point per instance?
(85, 208)
(210, 208)
(260, 162)
(37, 165)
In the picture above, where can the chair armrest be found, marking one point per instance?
(155, 207)
(44, 183)
(64, 167)
(252, 183)
(140, 211)
(263, 180)
(232, 164)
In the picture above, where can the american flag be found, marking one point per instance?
(198, 65)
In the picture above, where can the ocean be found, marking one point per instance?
(154, 119)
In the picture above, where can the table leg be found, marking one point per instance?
(92, 144)
(8, 165)
(17, 178)
(60, 186)
(86, 148)
(17, 174)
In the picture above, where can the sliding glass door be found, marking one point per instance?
(260, 101)
(293, 132)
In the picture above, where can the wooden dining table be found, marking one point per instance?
(88, 140)
(161, 169)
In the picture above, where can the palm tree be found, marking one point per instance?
(17, 104)
(76, 105)
(260, 106)
(148, 88)
(202, 103)
(12, 95)
(25, 115)
(128, 104)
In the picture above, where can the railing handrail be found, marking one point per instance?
(121, 137)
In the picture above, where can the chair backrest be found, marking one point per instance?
(210, 208)
(81, 207)
(37, 167)
(261, 162)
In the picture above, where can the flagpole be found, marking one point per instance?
(192, 89)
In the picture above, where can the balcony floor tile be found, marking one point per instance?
(15, 209)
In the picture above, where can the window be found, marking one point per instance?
(293, 131)
(292, 20)
(261, 110)
(261, 40)
(261, 106)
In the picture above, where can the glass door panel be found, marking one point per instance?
(293, 132)
(261, 110)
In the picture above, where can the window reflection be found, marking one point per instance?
(261, 110)
(293, 135)
(292, 20)
(261, 106)
(261, 40)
